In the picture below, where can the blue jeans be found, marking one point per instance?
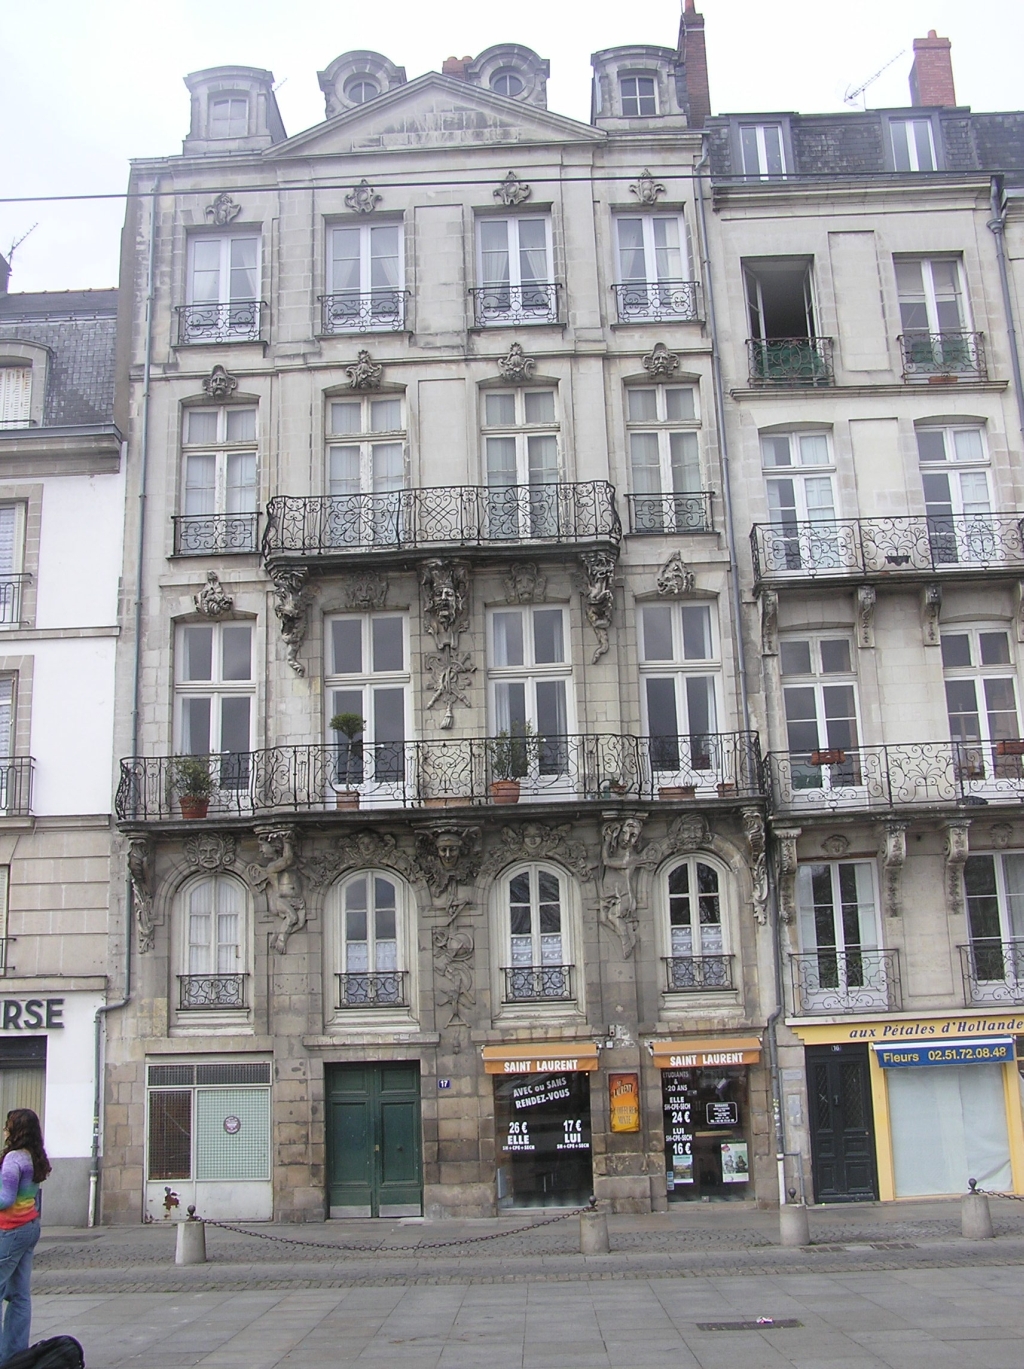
(16, 1249)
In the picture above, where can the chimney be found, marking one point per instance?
(455, 66)
(931, 76)
(693, 59)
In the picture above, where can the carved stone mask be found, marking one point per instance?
(449, 849)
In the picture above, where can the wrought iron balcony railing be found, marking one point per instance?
(598, 766)
(670, 512)
(372, 311)
(934, 355)
(833, 981)
(838, 547)
(514, 305)
(215, 534)
(698, 973)
(663, 301)
(373, 989)
(239, 321)
(11, 589)
(993, 970)
(211, 991)
(790, 361)
(16, 786)
(340, 525)
(916, 774)
(538, 983)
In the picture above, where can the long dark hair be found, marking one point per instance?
(25, 1133)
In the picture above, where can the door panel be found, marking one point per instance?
(373, 1144)
(842, 1124)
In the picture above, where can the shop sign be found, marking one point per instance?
(546, 1057)
(548, 1090)
(624, 1100)
(31, 1014)
(920, 1030)
(707, 1053)
(993, 1051)
(723, 1114)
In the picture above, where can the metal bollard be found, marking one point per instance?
(975, 1216)
(593, 1232)
(191, 1246)
(794, 1228)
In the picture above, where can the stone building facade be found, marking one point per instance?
(61, 509)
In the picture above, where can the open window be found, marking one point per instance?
(784, 346)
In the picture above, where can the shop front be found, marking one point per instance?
(542, 1123)
(706, 1102)
(940, 1103)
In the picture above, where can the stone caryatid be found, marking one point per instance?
(754, 831)
(445, 588)
(599, 595)
(621, 862)
(140, 867)
(280, 878)
(293, 595)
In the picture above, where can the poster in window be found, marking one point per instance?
(682, 1165)
(735, 1169)
(624, 1098)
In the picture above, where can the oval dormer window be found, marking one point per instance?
(360, 89)
(507, 82)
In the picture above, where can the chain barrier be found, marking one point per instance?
(991, 1193)
(381, 1247)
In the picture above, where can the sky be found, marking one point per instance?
(89, 84)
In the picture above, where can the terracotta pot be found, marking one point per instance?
(1010, 747)
(834, 756)
(445, 801)
(725, 789)
(194, 806)
(678, 791)
(346, 798)
(504, 791)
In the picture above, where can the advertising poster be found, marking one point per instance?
(624, 1097)
(735, 1169)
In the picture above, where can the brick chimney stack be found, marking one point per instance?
(693, 59)
(456, 66)
(931, 76)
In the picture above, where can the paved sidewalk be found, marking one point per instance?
(969, 1318)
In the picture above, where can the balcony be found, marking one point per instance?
(210, 992)
(833, 981)
(377, 311)
(239, 321)
(215, 534)
(512, 306)
(880, 548)
(790, 363)
(663, 301)
(538, 984)
(373, 989)
(596, 767)
(698, 973)
(16, 786)
(938, 357)
(338, 528)
(993, 971)
(11, 588)
(670, 513)
(915, 775)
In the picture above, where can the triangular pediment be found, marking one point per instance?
(435, 111)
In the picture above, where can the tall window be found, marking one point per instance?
(664, 458)
(229, 117)
(783, 348)
(538, 947)
(521, 456)
(639, 96)
(365, 471)
(223, 288)
(696, 943)
(954, 477)
(820, 699)
(981, 701)
(369, 682)
(12, 562)
(994, 885)
(530, 677)
(215, 693)
(653, 268)
(839, 937)
(15, 396)
(215, 952)
(934, 317)
(762, 150)
(515, 271)
(371, 973)
(801, 501)
(219, 498)
(680, 670)
(913, 148)
(365, 278)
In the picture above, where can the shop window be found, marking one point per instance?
(948, 1125)
(707, 1133)
(680, 671)
(368, 699)
(218, 494)
(372, 971)
(208, 1123)
(23, 1074)
(981, 703)
(819, 695)
(542, 1122)
(366, 445)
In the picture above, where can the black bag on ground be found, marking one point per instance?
(59, 1352)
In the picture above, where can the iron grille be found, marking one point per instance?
(853, 980)
(237, 321)
(373, 989)
(670, 513)
(943, 354)
(213, 534)
(234, 1072)
(693, 973)
(211, 991)
(534, 983)
(790, 361)
(993, 970)
(515, 304)
(169, 1076)
(376, 311)
(170, 1134)
(658, 301)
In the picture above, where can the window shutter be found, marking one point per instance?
(8, 538)
(15, 394)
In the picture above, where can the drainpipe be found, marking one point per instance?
(129, 902)
(997, 226)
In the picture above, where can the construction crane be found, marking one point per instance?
(852, 96)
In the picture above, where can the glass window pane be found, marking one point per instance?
(645, 462)
(200, 483)
(995, 648)
(388, 639)
(540, 406)
(835, 657)
(347, 641)
(510, 707)
(662, 715)
(931, 444)
(696, 632)
(749, 150)
(551, 714)
(773, 149)
(795, 657)
(679, 404)
(776, 450)
(508, 638)
(346, 418)
(385, 415)
(234, 723)
(240, 488)
(494, 259)
(201, 425)
(502, 469)
(198, 653)
(195, 727)
(631, 249)
(236, 641)
(345, 259)
(243, 278)
(814, 450)
(542, 459)
(388, 715)
(967, 445)
(500, 410)
(956, 649)
(241, 425)
(343, 472)
(657, 632)
(643, 405)
(387, 461)
(548, 647)
(700, 705)
(684, 453)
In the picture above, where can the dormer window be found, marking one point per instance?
(639, 99)
(507, 82)
(913, 148)
(361, 89)
(762, 148)
(229, 117)
(15, 396)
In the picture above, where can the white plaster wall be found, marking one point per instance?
(70, 1072)
(72, 723)
(80, 551)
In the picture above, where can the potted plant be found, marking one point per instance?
(194, 783)
(350, 758)
(509, 754)
(677, 791)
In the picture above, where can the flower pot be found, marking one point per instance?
(619, 789)
(726, 788)
(504, 791)
(194, 805)
(346, 798)
(677, 791)
(1010, 747)
(446, 801)
(832, 757)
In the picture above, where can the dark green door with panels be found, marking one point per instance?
(374, 1166)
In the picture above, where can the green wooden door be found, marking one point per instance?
(373, 1140)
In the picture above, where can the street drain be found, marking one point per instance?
(761, 1324)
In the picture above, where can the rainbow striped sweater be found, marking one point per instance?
(18, 1191)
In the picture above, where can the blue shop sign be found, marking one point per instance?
(993, 1050)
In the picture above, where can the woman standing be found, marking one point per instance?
(23, 1168)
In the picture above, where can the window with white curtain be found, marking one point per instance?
(840, 935)
(530, 674)
(694, 910)
(514, 264)
(370, 957)
(223, 288)
(215, 927)
(219, 493)
(365, 277)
